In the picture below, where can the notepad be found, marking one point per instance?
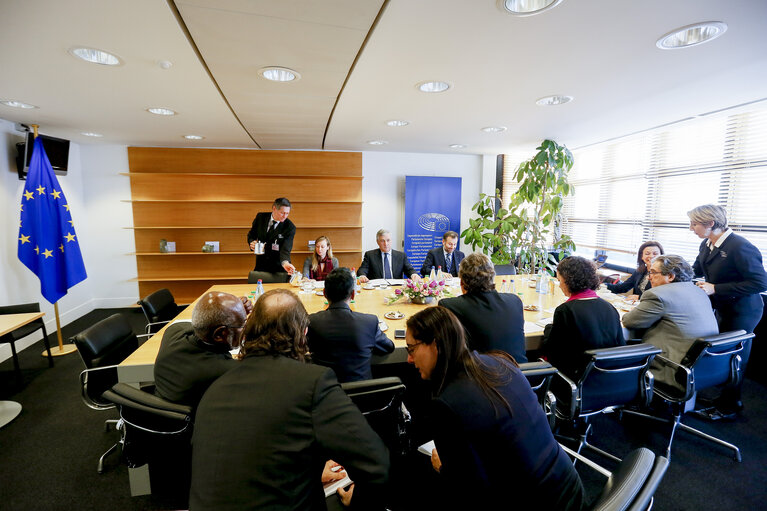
(531, 328)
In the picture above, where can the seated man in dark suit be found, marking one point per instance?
(385, 263)
(493, 321)
(264, 430)
(342, 339)
(194, 354)
(446, 256)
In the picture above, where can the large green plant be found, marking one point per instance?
(520, 233)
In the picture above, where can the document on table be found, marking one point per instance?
(532, 328)
(427, 448)
(388, 282)
(545, 321)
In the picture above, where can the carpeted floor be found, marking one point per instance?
(48, 454)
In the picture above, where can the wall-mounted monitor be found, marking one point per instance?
(57, 150)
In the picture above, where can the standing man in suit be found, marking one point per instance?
(385, 263)
(734, 277)
(493, 321)
(264, 430)
(445, 256)
(276, 232)
(342, 339)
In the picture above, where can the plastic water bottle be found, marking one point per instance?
(439, 273)
(356, 280)
(513, 288)
(504, 287)
(432, 275)
(259, 289)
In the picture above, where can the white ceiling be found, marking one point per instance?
(356, 74)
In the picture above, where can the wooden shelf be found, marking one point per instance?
(241, 227)
(306, 252)
(253, 176)
(183, 279)
(228, 201)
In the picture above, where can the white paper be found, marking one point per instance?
(427, 448)
(531, 328)
(545, 321)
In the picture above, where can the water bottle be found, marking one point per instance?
(538, 282)
(432, 275)
(356, 280)
(504, 287)
(513, 286)
(440, 275)
(259, 289)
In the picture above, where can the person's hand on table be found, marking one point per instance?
(436, 463)
(246, 303)
(288, 267)
(253, 245)
(364, 278)
(415, 276)
(332, 472)
(708, 287)
(632, 298)
(346, 495)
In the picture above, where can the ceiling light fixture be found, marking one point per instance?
(527, 7)
(433, 86)
(193, 137)
(279, 74)
(457, 146)
(96, 56)
(91, 134)
(378, 142)
(161, 111)
(494, 129)
(553, 100)
(16, 104)
(397, 123)
(691, 35)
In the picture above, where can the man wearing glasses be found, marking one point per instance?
(193, 354)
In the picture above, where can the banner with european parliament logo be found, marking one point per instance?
(432, 207)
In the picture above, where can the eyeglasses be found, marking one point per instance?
(411, 347)
(655, 272)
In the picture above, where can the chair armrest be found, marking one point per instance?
(573, 388)
(122, 393)
(108, 374)
(687, 391)
(150, 325)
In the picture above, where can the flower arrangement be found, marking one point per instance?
(421, 291)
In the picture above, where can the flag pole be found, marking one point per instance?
(70, 348)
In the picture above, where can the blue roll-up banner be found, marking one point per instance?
(432, 207)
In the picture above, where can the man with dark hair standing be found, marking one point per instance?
(276, 232)
(445, 256)
(194, 354)
(264, 431)
(342, 339)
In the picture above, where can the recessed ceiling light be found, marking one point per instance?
(691, 35)
(396, 123)
(96, 56)
(378, 142)
(457, 146)
(526, 7)
(494, 129)
(279, 74)
(91, 134)
(16, 104)
(193, 137)
(433, 86)
(161, 111)
(553, 100)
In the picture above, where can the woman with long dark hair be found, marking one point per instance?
(318, 265)
(494, 448)
(639, 281)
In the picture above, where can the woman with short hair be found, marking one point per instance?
(494, 447)
(639, 281)
(584, 322)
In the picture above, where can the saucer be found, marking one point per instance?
(394, 315)
(368, 286)
(319, 293)
(531, 308)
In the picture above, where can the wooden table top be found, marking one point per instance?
(10, 322)
(372, 302)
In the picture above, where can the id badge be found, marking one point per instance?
(276, 246)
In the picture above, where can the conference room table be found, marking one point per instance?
(9, 410)
(139, 366)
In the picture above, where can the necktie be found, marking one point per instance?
(387, 268)
(448, 261)
(272, 225)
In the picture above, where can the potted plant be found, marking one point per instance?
(520, 234)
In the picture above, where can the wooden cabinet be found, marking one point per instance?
(191, 196)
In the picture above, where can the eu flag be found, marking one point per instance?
(48, 244)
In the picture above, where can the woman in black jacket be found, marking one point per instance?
(639, 281)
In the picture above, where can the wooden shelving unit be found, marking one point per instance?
(191, 196)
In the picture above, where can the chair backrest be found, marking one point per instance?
(615, 377)
(108, 342)
(717, 360)
(159, 306)
(267, 277)
(20, 308)
(381, 402)
(505, 269)
(539, 375)
(632, 485)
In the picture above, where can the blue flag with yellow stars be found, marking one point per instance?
(48, 244)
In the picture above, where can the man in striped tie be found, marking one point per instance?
(445, 256)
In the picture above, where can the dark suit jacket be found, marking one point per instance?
(186, 367)
(271, 260)
(631, 284)
(372, 265)
(493, 321)
(344, 340)
(493, 458)
(436, 258)
(264, 430)
(738, 276)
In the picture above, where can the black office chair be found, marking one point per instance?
(24, 331)
(159, 308)
(381, 402)
(505, 269)
(155, 431)
(632, 485)
(539, 374)
(611, 378)
(102, 347)
(267, 277)
(714, 361)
